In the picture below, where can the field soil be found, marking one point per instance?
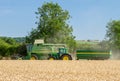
(79, 70)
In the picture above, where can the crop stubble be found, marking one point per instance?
(81, 70)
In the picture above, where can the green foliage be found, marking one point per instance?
(19, 39)
(8, 46)
(8, 40)
(52, 26)
(22, 50)
(89, 44)
(113, 33)
(104, 45)
(85, 44)
(3, 47)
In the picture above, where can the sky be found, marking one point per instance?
(88, 17)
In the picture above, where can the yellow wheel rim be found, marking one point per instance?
(65, 58)
(51, 58)
(32, 58)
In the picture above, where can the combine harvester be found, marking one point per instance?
(41, 51)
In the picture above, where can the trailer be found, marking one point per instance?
(93, 54)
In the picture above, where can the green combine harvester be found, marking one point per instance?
(41, 51)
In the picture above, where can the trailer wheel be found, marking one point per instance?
(51, 58)
(34, 57)
(66, 57)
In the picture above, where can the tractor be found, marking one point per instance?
(41, 51)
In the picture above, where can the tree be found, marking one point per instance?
(22, 50)
(52, 25)
(8, 40)
(3, 47)
(104, 44)
(113, 33)
(8, 46)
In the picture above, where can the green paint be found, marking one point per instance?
(42, 51)
(92, 54)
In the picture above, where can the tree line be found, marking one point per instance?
(9, 46)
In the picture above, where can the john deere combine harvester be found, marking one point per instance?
(41, 51)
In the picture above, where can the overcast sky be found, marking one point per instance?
(89, 17)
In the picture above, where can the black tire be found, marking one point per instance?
(51, 58)
(66, 57)
(34, 57)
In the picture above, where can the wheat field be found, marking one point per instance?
(75, 70)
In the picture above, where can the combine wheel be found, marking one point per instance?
(51, 58)
(66, 57)
(34, 57)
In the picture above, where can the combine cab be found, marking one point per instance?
(41, 51)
